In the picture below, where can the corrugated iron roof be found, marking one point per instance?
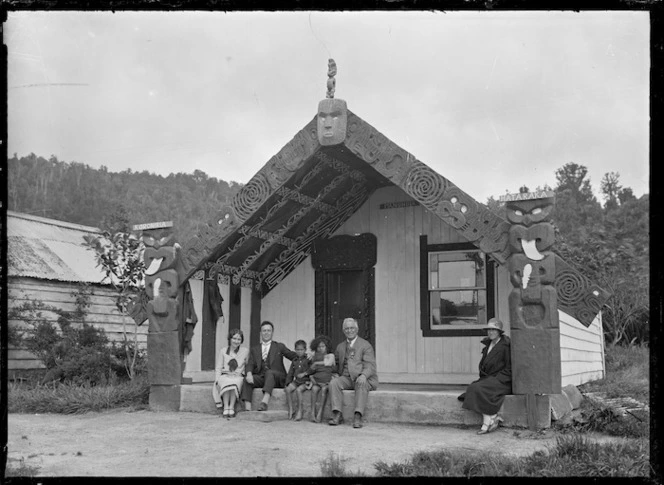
(38, 247)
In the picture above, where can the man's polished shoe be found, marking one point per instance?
(357, 420)
(336, 419)
(262, 407)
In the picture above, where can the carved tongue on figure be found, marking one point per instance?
(154, 266)
(527, 269)
(530, 248)
(155, 287)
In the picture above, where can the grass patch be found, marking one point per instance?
(335, 466)
(572, 455)
(627, 373)
(77, 399)
(20, 469)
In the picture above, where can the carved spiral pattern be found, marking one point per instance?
(585, 315)
(425, 185)
(570, 286)
(251, 196)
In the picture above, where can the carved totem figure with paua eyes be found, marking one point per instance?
(533, 303)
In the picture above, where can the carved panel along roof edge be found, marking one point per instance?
(306, 192)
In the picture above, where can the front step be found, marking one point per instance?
(388, 406)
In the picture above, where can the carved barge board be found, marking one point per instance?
(296, 180)
(485, 229)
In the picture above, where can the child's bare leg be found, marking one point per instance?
(323, 399)
(314, 402)
(300, 395)
(289, 399)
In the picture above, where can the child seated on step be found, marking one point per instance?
(320, 374)
(298, 379)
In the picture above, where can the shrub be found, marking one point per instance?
(76, 352)
(602, 418)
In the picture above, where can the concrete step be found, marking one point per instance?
(384, 405)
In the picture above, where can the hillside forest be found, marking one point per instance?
(607, 240)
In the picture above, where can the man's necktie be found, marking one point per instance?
(265, 348)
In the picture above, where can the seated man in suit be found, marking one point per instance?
(356, 366)
(265, 367)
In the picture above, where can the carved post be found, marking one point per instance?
(163, 276)
(535, 331)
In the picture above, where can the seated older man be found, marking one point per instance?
(356, 366)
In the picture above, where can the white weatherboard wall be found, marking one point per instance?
(581, 350)
(290, 307)
(397, 313)
(403, 355)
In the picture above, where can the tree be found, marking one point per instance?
(610, 187)
(119, 254)
(577, 212)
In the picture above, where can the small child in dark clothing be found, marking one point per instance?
(298, 379)
(320, 374)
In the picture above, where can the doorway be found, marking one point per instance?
(346, 294)
(345, 285)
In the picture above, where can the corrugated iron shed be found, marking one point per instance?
(38, 247)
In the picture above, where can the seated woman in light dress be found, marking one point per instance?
(229, 373)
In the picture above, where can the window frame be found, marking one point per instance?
(425, 277)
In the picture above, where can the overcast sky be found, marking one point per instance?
(490, 100)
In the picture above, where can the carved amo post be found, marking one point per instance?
(535, 331)
(163, 276)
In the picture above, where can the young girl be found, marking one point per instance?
(229, 373)
(320, 375)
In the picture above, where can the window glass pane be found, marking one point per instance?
(461, 307)
(457, 274)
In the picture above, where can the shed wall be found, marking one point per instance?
(101, 313)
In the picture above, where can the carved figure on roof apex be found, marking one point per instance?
(331, 82)
(332, 113)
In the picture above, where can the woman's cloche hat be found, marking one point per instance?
(494, 324)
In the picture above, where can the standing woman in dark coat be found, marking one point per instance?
(486, 394)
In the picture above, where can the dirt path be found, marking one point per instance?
(144, 443)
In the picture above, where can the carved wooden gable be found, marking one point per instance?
(308, 190)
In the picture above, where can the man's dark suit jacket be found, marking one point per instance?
(275, 358)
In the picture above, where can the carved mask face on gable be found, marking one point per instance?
(156, 238)
(332, 121)
(529, 212)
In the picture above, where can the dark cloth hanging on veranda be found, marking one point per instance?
(212, 301)
(486, 394)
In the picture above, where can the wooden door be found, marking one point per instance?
(345, 298)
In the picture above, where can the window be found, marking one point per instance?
(456, 289)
